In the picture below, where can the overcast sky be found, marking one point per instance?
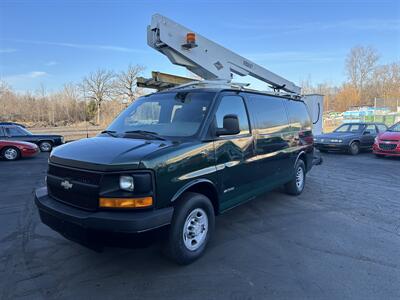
(55, 42)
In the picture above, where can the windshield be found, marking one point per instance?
(395, 127)
(178, 114)
(350, 128)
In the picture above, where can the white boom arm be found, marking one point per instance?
(206, 58)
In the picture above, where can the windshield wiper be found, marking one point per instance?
(110, 132)
(151, 134)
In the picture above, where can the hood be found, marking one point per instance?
(338, 135)
(106, 153)
(390, 136)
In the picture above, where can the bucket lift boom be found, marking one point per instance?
(205, 58)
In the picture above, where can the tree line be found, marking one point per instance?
(98, 98)
(368, 83)
(102, 94)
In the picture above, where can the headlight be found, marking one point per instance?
(126, 183)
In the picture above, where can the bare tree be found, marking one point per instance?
(360, 65)
(98, 86)
(125, 83)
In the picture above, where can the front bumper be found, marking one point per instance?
(331, 146)
(377, 150)
(30, 152)
(77, 224)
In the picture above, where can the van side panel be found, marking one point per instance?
(272, 139)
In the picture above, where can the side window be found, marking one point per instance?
(298, 115)
(2, 133)
(371, 129)
(232, 105)
(381, 128)
(269, 112)
(15, 131)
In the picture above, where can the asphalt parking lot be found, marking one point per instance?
(339, 240)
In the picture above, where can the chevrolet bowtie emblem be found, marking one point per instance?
(66, 184)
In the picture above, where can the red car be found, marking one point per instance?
(12, 150)
(388, 142)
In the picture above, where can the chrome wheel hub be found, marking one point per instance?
(11, 154)
(45, 147)
(195, 229)
(299, 178)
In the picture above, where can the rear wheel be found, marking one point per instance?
(354, 148)
(191, 228)
(45, 146)
(10, 153)
(296, 185)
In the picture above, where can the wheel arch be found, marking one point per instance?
(201, 186)
(302, 155)
(2, 150)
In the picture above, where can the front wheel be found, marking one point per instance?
(296, 185)
(45, 146)
(354, 148)
(191, 228)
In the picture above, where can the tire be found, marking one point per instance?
(10, 153)
(187, 243)
(354, 148)
(296, 185)
(46, 146)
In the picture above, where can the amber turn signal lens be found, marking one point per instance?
(126, 202)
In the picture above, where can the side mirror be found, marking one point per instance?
(231, 126)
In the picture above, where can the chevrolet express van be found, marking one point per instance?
(176, 159)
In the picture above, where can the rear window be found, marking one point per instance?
(299, 117)
(269, 112)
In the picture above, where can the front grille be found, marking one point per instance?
(75, 187)
(387, 147)
(85, 201)
(74, 174)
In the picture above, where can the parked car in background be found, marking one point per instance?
(13, 150)
(18, 133)
(12, 123)
(350, 137)
(388, 142)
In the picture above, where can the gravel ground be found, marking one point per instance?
(339, 240)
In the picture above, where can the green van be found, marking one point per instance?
(175, 160)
